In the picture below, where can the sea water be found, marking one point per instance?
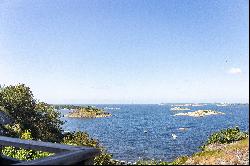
(136, 132)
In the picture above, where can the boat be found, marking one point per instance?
(183, 128)
(174, 136)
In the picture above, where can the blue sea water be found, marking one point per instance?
(136, 132)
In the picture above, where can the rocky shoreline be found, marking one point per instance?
(236, 153)
(179, 109)
(88, 112)
(199, 113)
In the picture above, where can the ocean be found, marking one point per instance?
(144, 131)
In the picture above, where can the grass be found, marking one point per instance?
(207, 156)
(226, 154)
(178, 161)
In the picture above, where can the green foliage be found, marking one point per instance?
(83, 139)
(226, 136)
(69, 106)
(80, 139)
(24, 154)
(47, 123)
(18, 101)
(88, 112)
(26, 135)
(151, 162)
(82, 109)
(13, 130)
(147, 162)
(105, 159)
(40, 118)
(178, 161)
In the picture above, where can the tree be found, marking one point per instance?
(18, 101)
(39, 121)
(47, 123)
(40, 118)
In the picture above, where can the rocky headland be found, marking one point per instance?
(88, 112)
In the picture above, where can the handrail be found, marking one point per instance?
(64, 154)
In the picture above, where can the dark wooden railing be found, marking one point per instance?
(63, 154)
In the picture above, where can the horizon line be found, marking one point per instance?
(150, 103)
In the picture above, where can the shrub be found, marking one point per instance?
(24, 154)
(80, 139)
(226, 136)
(178, 161)
(26, 113)
(83, 139)
(105, 159)
(39, 121)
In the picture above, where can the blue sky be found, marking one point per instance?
(129, 51)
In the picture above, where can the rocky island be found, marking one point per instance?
(199, 113)
(88, 112)
(179, 109)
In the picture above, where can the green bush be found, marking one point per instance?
(178, 161)
(151, 162)
(80, 139)
(29, 114)
(24, 154)
(74, 138)
(39, 121)
(105, 159)
(83, 139)
(226, 136)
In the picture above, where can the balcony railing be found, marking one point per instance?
(63, 154)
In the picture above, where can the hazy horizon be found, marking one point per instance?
(127, 51)
(143, 103)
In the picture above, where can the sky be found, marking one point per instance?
(126, 52)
